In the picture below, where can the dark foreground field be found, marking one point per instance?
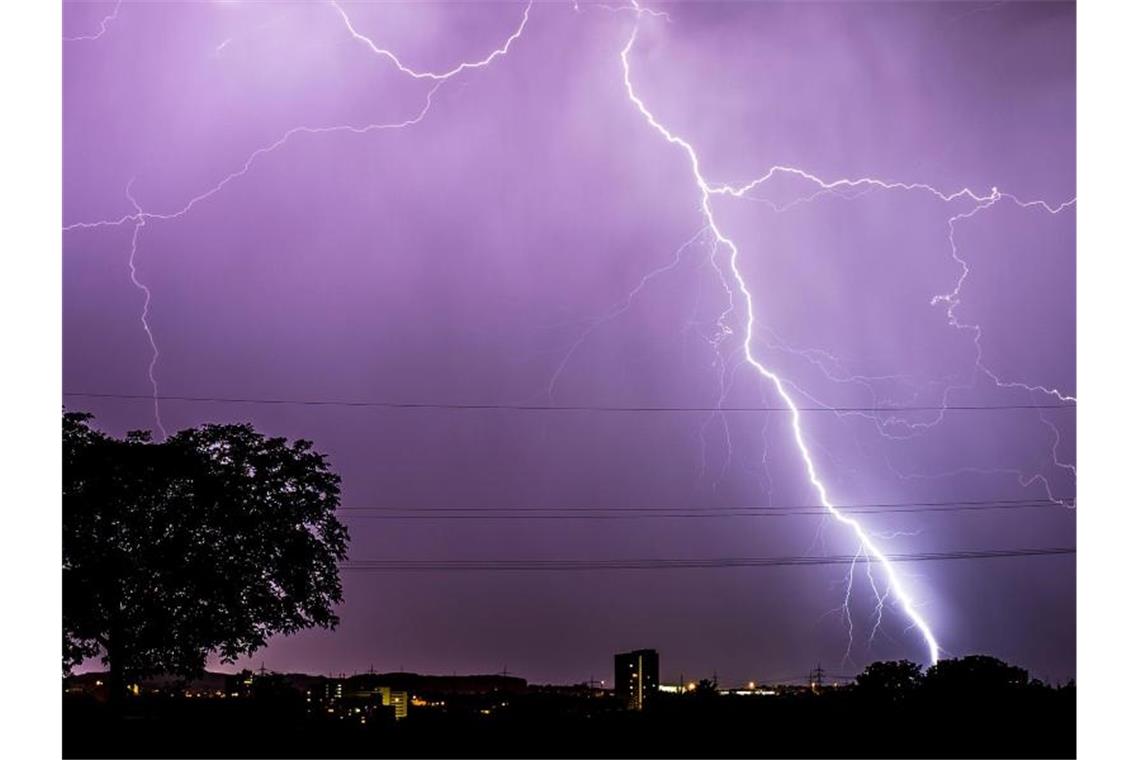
(1035, 723)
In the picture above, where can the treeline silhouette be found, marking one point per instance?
(975, 706)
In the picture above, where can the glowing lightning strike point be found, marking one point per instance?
(145, 316)
(867, 545)
(501, 51)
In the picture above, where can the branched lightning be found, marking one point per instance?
(139, 217)
(952, 298)
(706, 192)
(899, 426)
(438, 78)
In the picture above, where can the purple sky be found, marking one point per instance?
(533, 239)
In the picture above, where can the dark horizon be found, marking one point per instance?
(683, 676)
(267, 714)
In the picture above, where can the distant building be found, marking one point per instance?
(397, 700)
(332, 690)
(636, 677)
(239, 684)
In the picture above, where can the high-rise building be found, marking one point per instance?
(636, 677)
(397, 700)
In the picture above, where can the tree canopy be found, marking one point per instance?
(891, 678)
(975, 673)
(207, 543)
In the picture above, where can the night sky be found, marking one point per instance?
(333, 208)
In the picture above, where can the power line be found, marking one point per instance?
(487, 512)
(729, 507)
(473, 406)
(564, 565)
(855, 505)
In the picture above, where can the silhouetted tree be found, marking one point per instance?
(894, 679)
(209, 542)
(978, 674)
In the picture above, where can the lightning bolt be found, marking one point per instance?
(847, 604)
(144, 317)
(706, 192)
(622, 9)
(114, 14)
(252, 159)
(953, 298)
(441, 76)
(1057, 442)
(621, 308)
(727, 378)
(880, 601)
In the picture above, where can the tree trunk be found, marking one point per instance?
(117, 677)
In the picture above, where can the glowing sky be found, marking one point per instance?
(335, 207)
